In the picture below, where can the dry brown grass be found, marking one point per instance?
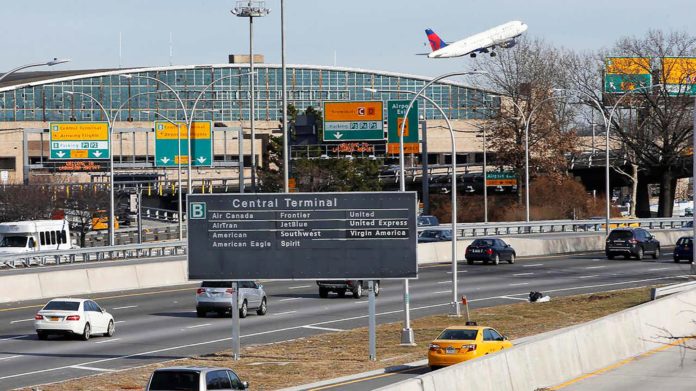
(332, 355)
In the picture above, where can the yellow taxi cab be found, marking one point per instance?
(461, 343)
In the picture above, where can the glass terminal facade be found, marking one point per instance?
(227, 99)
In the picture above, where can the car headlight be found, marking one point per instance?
(434, 346)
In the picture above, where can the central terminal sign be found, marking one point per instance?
(302, 236)
(79, 140)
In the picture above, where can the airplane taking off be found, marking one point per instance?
(503, 36)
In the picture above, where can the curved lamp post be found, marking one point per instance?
(607, 125)
(187, 118)
(50, 63)
(111, 120)
(407, 325)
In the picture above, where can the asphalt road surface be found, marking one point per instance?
(161, 324)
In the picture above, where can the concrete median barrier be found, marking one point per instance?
(553, 358)
(20, 287)
(536, 246)
(115, 278)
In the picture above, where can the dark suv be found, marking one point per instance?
(630, 242)
(356, 287)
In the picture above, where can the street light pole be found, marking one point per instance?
(485, 180)
(50, 63)
(607, 125)
(251, 9)
(111, 120)
(180, 208)
(286, 159)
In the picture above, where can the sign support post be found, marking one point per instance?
(372, 320)
(236, 343)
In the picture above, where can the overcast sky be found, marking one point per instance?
(373, 34)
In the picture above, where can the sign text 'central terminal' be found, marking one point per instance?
(302, 236)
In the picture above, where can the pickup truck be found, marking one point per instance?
(356, 287)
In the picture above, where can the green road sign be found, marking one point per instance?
(78, 140)
(395, 114)
(619, 84)
(350, 121)
(501, 178)
(166, 149)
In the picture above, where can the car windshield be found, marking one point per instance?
(429, 234)
(62, 305)
(175, 380)
(482, 242)
(684, 242)
(458, 334)
(216, 284)
(620, 235)
(13, 241)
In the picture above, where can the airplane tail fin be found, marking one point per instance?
(436, 42)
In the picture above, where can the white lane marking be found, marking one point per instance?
(91, 368)
(592, 276)
(120, 321)
(319, 323)
(322, 328)
(7, 358)
(199, 325)
(445, 282)
(292, 298)
(109, 340)
(519, 284)
(441, 292)
(17, 337)
(284, 313)
(361, 301)
(660, 268)
(522, 274)
(300, 287)
(512, 298)
(124, 307)
(595, 267)
(21, 320)
(596, 259)
(458, 271)
(533, 265)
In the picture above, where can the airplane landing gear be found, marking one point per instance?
(472, 55)
(493, 54)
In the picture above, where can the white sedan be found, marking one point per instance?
(73, 317)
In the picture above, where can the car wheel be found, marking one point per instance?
(469, 262)
(42, 335)
(263, 308)
(610, 256)
(640, 254)
(656, 255)
(200, 313)
(375, 286)
(323, 293)
(110, 329)
(357, 291)
(87, 332)
(512, 259)
(676, 259)
(243, 311)
(434, 367)
(496, 260)
(341, 293)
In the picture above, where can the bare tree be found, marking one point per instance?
(526, 76)
(653, 125)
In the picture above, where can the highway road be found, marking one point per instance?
(161, 324)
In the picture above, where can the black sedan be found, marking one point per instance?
(490, 250)
(684, 249)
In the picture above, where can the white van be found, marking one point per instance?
(38, 235)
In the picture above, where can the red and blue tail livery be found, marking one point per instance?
(436, 42)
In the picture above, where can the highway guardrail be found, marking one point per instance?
(670, 289)
(88, 254)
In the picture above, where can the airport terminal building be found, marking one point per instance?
(29, 101)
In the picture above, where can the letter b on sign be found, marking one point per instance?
(197, 210)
